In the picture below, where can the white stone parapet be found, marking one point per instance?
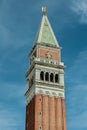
(48, 61)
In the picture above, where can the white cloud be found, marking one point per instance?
(11, 100)
(80, 7)
(9, 119)
(76, 92)
(12, 90)
(9, 39)
(77, 72)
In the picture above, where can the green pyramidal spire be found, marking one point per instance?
(45, 34)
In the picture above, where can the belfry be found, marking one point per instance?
(45, 98)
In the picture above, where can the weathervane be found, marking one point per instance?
(44, 10)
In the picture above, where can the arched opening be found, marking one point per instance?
(56, 78)
(42, 75)
(47, 76)
(51, 77)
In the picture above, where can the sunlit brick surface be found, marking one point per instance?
(42, 53)
(47, 113)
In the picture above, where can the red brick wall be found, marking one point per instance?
(42, 53)
(52, 116)
(64, 114)
(52, 112)
(38, 109)
(30, 114)
(45, 113)
(60, 120)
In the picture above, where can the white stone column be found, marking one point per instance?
(61, 79)
(27, 82)
(37, 74)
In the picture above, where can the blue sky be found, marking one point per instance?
(19, 22)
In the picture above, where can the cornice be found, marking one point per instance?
(36, 90)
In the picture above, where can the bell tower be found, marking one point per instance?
(45, 98)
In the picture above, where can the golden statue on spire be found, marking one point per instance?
(44, 10)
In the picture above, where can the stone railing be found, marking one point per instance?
(53, 62)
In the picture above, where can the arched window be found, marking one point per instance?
(51, 77)
(47, 76)
(56, 78)
(42, 75)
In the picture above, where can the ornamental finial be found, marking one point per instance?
(44, 10)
